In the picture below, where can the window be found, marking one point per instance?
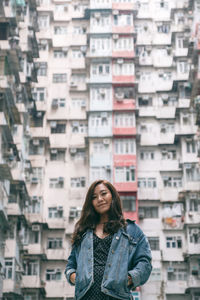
(125, 43)
(155, 274)
(79, 30)
(100, 44)
(128, 203)
(54, 243)
(124, 120)
(173, 182)
(126, 92)
(57, 154)
(36, 120)
(8, 268)
(181, 42)
(39, 94)
(98, 120)
(43, 45)
(43, 21)
(148, 212)
(61, 102)
(163, 28)
(167, 128)
(60, 30)
(194, 234)
(124, 146)
(32, 296)
(55, 212)
(61, 8)
(78, 103)
(38, 173)
(154, 243)
(34, 237)
(125, 174)
(57, 128)
(59, 54)
(56, 183)
(102, 94)
(174, 242)
(123, 20)
(147, 155)
(100, 69)
(57, 78)
(168, 154)
(35, 205)
(31, 267)
(182, 67)
(78, 78)
(42, 68)
(177, 274)
(195, 205)
(53, 274)
(77, 53)
(79, 127)
(190, 146)
(192, 172)
(126, 68)
(78, 182)
(36, 147)
(100, 173)
(147, 182)
(145, 101)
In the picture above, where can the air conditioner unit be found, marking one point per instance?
(83, 104)
(102, 91)
(60, 208)
(170, 270)
(35, 227)
(97, 15)
(73, 150)
(75, 124)
(104, 115)
(115, 36)
(119, 96)
(39, 114)
(34, 180)
(36, 142)
(73, 84)
(83, 48)
(54, 151)
(106, 141)
(34, 198)
(195, 231)
(54, 103)
(115, 12)
(72, 213)
(120, 60)
(53, 124)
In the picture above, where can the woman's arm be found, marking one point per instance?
(141, 263)
(71, 266)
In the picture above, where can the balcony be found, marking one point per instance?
(101, 79)
(123, 79)
(32, 282)
(183, 103)
(126, 186)
(144, 38)
(100, 159)
(162, 62)
(4, 45)
(124, 6)
(162, 39)
(192, 217)
(94, 4)
(173, 223)
(94, 52)
(193, 249)
(78, 63)
(148, 194)
(35, 249)
(123, 53)
(123, 29)
(169, 165)
(124, 131)
(56, 254)
(169, 194)
(193, 282)
(175, 287)
(124, 104)
(13, 288)
(173, 254)
(57, 223)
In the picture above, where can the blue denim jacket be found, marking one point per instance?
(129, 254)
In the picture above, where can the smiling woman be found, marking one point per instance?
(109, 256)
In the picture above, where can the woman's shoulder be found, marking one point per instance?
(133, 229)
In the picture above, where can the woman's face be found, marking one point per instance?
(101, 199)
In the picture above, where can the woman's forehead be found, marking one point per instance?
(100, 187)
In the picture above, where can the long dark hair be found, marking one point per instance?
(90, 218)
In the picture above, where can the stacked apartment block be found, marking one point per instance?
(116, 96)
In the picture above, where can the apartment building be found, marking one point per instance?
(18, 48)
(113, 93)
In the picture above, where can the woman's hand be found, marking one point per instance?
(130, 282)
(72, 278)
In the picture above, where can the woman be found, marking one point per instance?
(109, 255)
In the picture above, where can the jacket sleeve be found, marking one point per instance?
(71, 264)
(141, 262)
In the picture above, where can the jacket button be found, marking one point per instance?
(109, 265)
(117, 238)
(113, 251)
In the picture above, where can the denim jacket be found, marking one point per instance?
(129, 254)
